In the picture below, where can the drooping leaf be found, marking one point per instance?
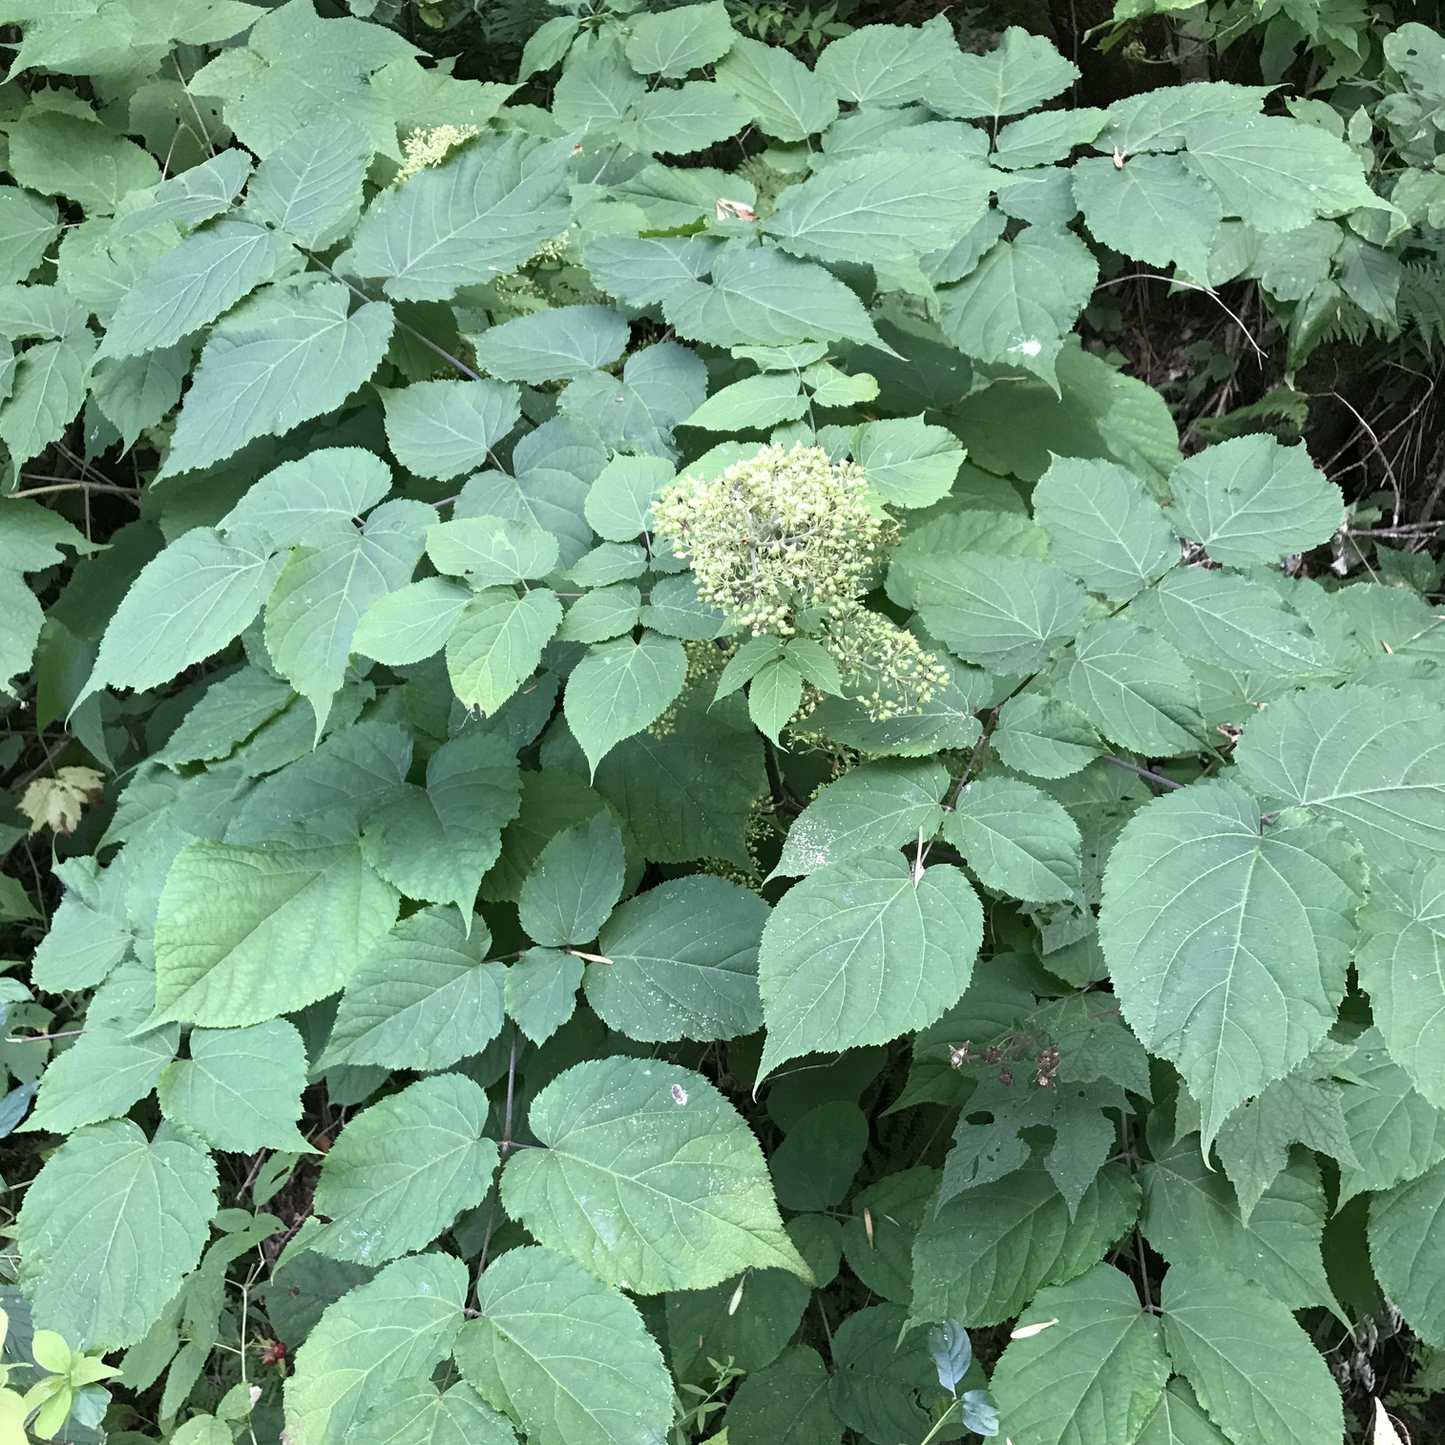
(1238, 927)
(625, 1186)
(565, 1356)
(1394, 1132)
(1407, 1241)
(403, 1169)
(111, 1225)
(862, 951)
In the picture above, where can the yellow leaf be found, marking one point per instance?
(56, 802)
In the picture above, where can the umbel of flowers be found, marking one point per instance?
(785, 542)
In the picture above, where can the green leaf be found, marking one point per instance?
(882, 1257)
(619, 503)
(660, 387)
(1304, 1107)
(48, 389)
(497, 643)
(753, 404)
(678, 122)
(785, 1404)
(1017, 839)
(1192, 1218)
(297, 71)
(1366, 756)
(1004, 613)
(573, 885)
(1155, 120)
(304, 500)
(395, 1327)
(421, 999)
(322, 593)
(1178, 1420)
(445, 428)
(1044, 736)
(56, 152)
(880, 804)
(909, 463)
(246, 934)
(981, 1257)
(138, 392)
(1276, 173)
(191, 285)
(102, 1075)
(1093, 1371)
(1134, 687)
(187, 603)
(240, 1089)
(1252, 500)
(437, 842)
(816, 1163)
(28, 227)
(880, 208)
(861, 952)
(654, 783)
(110, 1226)
(602, 614)
(480, 215)
(774, 696)
(289, 353)
(412, 623)
(565, 1356)
(1407, 1243)
(886, 1386)
(1023, 72)
(491, 550)
(683, 962)
(1242, 929)
(1401, 962)
(786, 99)
(748, 1319)
(403, 1169)
(1151, 208)
(1049, 136)
(625, 1186)
(886, 65)
(1103, 527)
(413, 1413)
(309, 187)
(553, 345)
(1254, 1369)
(1395, 1134)
(675, 42)
(619, 688)
(541, 991)
(1232, 622)
(1017, 304)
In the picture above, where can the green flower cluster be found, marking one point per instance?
(898, 674)
(423, 148)
(779, 533)
(786, 541)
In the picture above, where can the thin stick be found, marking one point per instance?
(1188, 286)
(1142, 772)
